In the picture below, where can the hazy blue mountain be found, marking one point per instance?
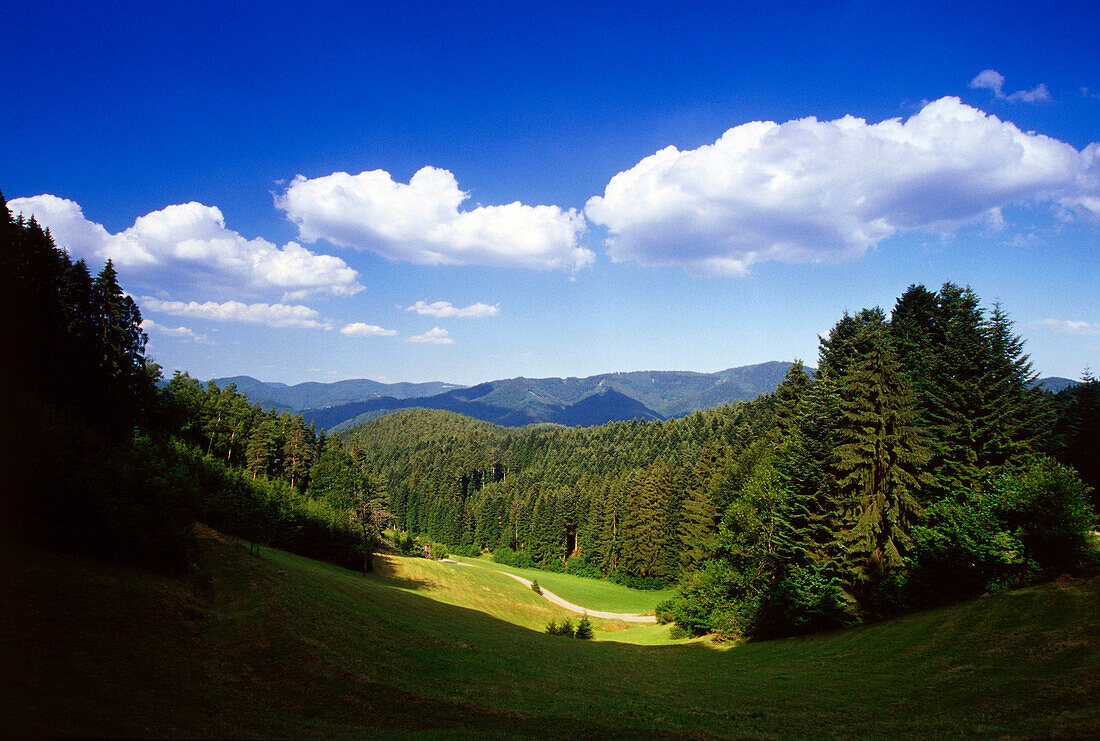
(1054, 384)
(574, 401)
(312, 395)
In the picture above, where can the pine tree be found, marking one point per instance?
(880, 457)
(698, 528)
(645, 528)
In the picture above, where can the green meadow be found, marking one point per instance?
(280, 645)
(595, 594)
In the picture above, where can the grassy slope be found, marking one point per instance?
(93, 649)
(596, 594)
(482, 588)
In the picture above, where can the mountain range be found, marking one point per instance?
(514, 402)
(593, 400)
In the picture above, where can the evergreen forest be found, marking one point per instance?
(916, 465)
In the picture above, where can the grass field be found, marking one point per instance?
(481, 588)
(595, 594)
(278, 645)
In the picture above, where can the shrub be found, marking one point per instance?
(676, 633)
(581, 566)
(508, 557)
(438, 551)
(665, 611)
(584, 629)
(535, 587)
(469, 550)
(564, 629)
(408, 545)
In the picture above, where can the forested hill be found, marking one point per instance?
(594, 400)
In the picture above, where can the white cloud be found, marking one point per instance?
(1068, 326)
(444, 310)
(189, 243)
(991, 79)
(817, 191)
(434, 336)
(359, 329)
(269, 315)
(150, 326)
(1038, 94)
(420, 222)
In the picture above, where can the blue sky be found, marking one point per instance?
(464, 192)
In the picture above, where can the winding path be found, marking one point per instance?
(551, 597)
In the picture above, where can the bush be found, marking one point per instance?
(564, 629)
(508, 557)
(676, 633)
(1023, 527)
(665, 611)
(535, 587)
(584, 629)
(438, 551)
(408, 544)
(469, 550)
(581, 566)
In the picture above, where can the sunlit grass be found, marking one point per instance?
(595, 594)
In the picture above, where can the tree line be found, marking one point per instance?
(917, 464)
(109, 460)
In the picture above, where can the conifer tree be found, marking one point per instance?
(645, 528)
(880, 457)
(698, 529)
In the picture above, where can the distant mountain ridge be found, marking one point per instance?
(514, 402)
(593, 400)
(313, 395)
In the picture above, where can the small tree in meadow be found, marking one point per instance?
(584, 629)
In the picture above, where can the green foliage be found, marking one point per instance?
(508, 557)
(881, 455)
(581, 566)
(407, 544)
(584, 629)
(535, 587)
(438, 551)
(565, 628)
(468, 550)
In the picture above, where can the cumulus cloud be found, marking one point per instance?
(420, 222)
(994, 81)
(445, 310)
(434, 336)
(270, 315)
(190, 242)
(822, 191)
(1068, 326)
(359, 329)
(155, 328)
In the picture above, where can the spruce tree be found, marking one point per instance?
(698, 529)
(880, 457)
(645, 528)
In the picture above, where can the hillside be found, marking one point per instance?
(278, 645)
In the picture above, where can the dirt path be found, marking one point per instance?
(550, 596)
